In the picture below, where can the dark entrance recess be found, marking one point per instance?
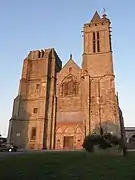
(68, 142)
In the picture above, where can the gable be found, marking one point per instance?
(71, 62)
(70, 68)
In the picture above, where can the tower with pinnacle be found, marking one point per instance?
(57, 106)
(98, 63)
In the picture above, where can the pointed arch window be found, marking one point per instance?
(70, 87)
(96, 42)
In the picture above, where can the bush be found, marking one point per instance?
(112, 139)
(104, 141)
(90, 141)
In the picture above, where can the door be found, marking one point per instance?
(68, 142)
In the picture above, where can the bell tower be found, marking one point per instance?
(97, 56)
(100, 103)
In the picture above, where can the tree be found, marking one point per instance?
(2, 140)
(101, 140)
(90, 141)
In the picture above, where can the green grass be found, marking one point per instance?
(67, 166)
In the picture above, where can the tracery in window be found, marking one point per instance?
(69, 87)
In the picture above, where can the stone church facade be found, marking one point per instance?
(57, 106)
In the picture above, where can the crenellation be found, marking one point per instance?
(42, 53)
(38, 54)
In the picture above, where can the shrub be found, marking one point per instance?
(103, 141)
(91, 141)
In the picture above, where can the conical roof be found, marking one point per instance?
(96, 17)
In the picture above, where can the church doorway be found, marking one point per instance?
(68, 142)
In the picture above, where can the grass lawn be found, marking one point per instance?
(67, 166)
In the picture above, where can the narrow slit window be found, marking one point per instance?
(94, 42)
(94, 37)
(33, 133)
(98, 42)
(97, 35)
(70, 69)
(110, 42)
(35, 110)
(37, 86)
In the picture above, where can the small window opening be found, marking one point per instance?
(33, 133)
(35, 110)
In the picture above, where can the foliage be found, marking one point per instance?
(103, 141)
(2, 140)
(90, 141)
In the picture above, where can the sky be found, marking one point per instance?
(30, 25)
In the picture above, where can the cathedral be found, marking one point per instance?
(57, 106)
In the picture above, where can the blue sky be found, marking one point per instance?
(30, 24)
